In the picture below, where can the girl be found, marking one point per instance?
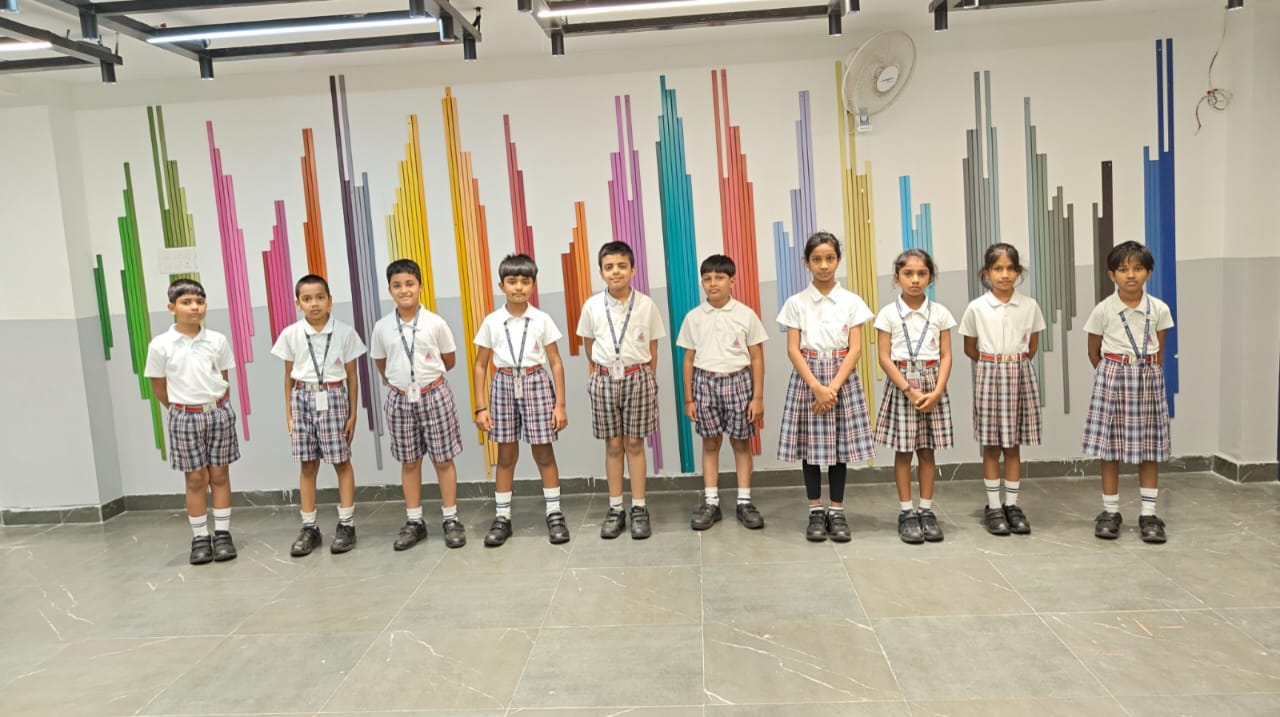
(825, 420)
(914, 347)
(1001, 332)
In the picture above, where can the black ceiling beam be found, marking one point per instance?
(44, 63)
(461, 25)
(548, 24)
(324, 47)
(126, 26)
(279, 23)
(86, 51)
(716, 19)
(143, 7)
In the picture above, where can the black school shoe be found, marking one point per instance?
(1018, 524)
(995, 521)
(455, 534)
(411, 533)
(1152, 529)
(749, 516)
(498, 532)
(557, 530)
(1107, 525)
(223, 547)
(307, 540)
(705, 516)
(838, 527)
(201, 550)
(817, 530)
(614, 523)
(640, 528)
(929, 525)
(344, 539)
(909, 529)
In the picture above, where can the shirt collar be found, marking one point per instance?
(401, 322)
(907, 310)
(995, 303)
(1121, 307)
(179, 336)
(506, 316)
(308, 330)
(812, 293)
(708, 308)
(610, 301)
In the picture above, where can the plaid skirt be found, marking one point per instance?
(527, 419)
(1128, 417)
(841, 435)
(624, 408)
(1006, 404)
(428, 427)
(317, 435)
(904, 429)
(200, 440)
(721, 403)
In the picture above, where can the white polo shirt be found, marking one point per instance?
(1000, 327)
(1105, 321)
(192, 367)
(824, 321)
(930, 320)
(720, 337)
(645, 326)
(429, 340)
(534, 329)
(332, 347)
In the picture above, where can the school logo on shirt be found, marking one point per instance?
(639, 336)
(1026, 338)
(337, 362)
(737, 343)
(426, 356)
(535, 346)
(844, 328)
(933, 342)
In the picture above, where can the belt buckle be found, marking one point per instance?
(311, 386)
(1010, 357)
(209, 406)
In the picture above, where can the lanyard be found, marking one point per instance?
(408, 349)
(617, 343)
(906, 335)
(518, 357)
(319, 365)
(1146, 332)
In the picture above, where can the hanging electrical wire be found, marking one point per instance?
(1215, 97)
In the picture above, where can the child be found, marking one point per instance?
(1128, 414)
(825, 420)
(188, 366)
(1001, 332)
(722, 338)
(317, 407)
(522, 404)
(412, 348)
(913, 345)
(620, 328)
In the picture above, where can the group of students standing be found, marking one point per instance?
(825, 419)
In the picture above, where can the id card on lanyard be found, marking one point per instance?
(413, 393)
(617, 371)
(1146, 332)
(517, 370)
(321, 393)
(914, 373)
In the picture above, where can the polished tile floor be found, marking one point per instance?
(110, 620)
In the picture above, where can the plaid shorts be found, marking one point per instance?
(624, 408)
(904, 429)
(199, 440)
(428, 427)
(317, 435)
(525, 419)
(1128, 417)
(721, 403)
(1006, 404)
(841, 435)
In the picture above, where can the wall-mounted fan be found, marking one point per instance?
(875, 74)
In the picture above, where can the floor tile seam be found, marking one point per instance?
(262, 606)
(1248, 634)
(702, 621)
(875, 634)
(1092, 673)
(222, 640)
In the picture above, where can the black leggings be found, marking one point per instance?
(836, 475)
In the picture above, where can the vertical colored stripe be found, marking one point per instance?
(278, 270)
(104, 311)
(137, 313)
(520, 228)
(981, 182)
(917, 232)
(1160, 214)
(407, 234)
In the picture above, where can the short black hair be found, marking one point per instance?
(615, 247)
(310, 279)
(404, 266)
(518, 265)
(820, 238)
(1121, 253)
(718, 264)
(182, 287)
(920, 254)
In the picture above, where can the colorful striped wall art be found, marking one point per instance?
(1104, 236)
(278, 273)
(981, 182)
(576, 266)
(407, 234)
(520, 228)
(313, 227)
(788, 250)
(137, 313)
(104, 310)
(1161, 213)
(917, 231)
(176, 222)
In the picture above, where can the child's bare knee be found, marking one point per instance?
(543, 455)
(740, 445)
(634, 446)
(711, 444)
(613, 448)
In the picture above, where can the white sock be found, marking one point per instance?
(906, 505)
(449, 512)
(308, 519)
(615, 502)
(503, 501)
(221, 520)
(415, 514)
(1011, 492)
(1149, 500)
(712, 495)
(744, 495)
(835, 509)
(637, 502)
(552, 496)
(346, 515)
(1111, 503)
(816, 509)
(993, 492)
(199, 525)
(926, 504)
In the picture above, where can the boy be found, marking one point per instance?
(620, 328)
(412, 348)
(318, 407)
(1128, 413)
(188, 367)
(522, 403)
(723, 386)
